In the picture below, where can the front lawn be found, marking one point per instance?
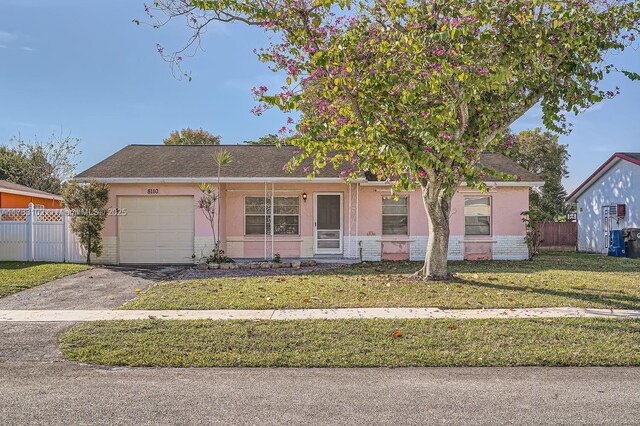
(18, 276)
(356, 343)
(557, 279)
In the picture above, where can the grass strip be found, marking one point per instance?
(18, 276)
(356, 343)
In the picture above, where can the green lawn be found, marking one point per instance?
(18, 276)
(356, 343)
(557, 279)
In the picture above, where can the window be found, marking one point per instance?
(477, 216)
(257, 215)
(260, 218)
(395, 215)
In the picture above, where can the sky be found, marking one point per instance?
(81, 68)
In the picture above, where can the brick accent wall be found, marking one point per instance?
(504, 248)
(109, 252)
(202, 247)
(510, 248)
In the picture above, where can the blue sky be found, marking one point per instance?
(87, 69)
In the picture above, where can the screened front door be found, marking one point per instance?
(328, 223)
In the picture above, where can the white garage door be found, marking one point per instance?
(156, 229)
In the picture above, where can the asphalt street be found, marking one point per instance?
(57, 393)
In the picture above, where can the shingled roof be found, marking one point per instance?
(248, 161)
(10, 187)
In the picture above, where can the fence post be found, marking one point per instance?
(65, 238)
(30, 236)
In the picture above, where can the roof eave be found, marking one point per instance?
(31, 194)
(611, 161)
(362, 181)
(215, 180)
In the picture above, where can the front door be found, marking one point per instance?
(328, 224)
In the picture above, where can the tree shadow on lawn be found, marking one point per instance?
(546, 262)
(12, 265)
(611, 300)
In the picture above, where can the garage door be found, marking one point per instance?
(156, 229)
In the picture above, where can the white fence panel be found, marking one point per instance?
(73, 249)
(48, 242)
(37, 235)
(13, 241)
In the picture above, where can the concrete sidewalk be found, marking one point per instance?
(296, 314)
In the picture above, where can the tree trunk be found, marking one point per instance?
(437, 203)
(89, 248)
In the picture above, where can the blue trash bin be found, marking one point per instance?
(616, 243)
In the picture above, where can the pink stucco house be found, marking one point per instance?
(265, 210)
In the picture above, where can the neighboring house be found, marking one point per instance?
(14, 196)
(609, 199)
(265, 210)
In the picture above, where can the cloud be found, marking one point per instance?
(3, 46)
(28, 49)
(6, 37)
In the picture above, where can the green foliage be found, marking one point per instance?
(277, 258)
(86, 204)
(40, 165)
(540, 153)
(218, 256)
(221, 159)
(270, 139)
(192, 137)
(534, 234)
(414, 91)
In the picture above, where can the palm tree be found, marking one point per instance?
(221, 158)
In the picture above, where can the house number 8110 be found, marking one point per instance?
(152, 191)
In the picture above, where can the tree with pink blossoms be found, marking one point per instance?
(414, 90)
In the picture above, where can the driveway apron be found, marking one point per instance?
(99, 288)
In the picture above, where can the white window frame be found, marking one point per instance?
(271, 215)
(383, 214)
(464, 214)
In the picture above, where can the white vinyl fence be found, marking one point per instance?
(37, 235)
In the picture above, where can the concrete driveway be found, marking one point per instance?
(71, 394)
(99, 288)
